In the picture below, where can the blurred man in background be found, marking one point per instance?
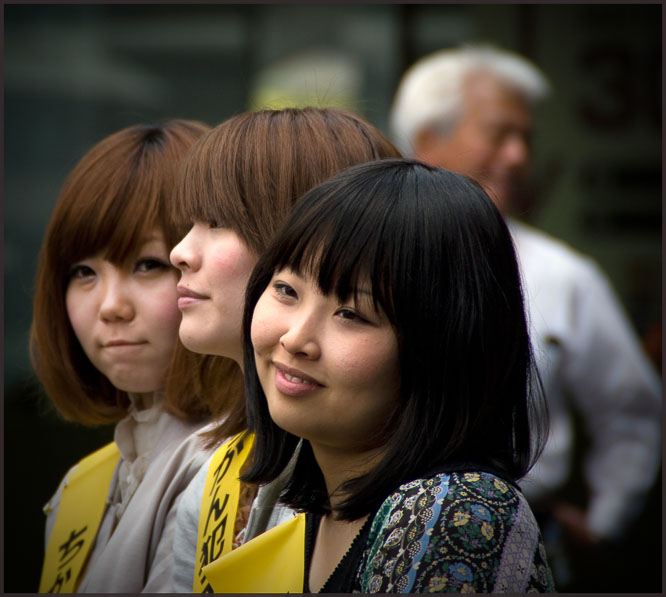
(470, 110)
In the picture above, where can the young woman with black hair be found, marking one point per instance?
(385, 332)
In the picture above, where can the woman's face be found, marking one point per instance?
(215, 266)
(126, 318)
(330, 371)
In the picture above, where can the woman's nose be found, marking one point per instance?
(185, 255)
(301, 338)
(117, 303)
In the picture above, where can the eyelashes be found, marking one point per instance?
(283, 290)
(79, 271)
(350, 315)
(83, 271)
(146, 264)
(288, 295)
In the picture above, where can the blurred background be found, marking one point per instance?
(76, 73)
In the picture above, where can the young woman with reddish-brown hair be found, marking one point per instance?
(239, 183)
(104, 344)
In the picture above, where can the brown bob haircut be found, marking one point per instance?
(116, 195)
(247, 173)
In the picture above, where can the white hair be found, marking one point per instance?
(430, 92)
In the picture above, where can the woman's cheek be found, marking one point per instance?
(262, 330)
(359, 359)
(165, 306)
(369, 360)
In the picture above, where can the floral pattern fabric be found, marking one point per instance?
(454, 533)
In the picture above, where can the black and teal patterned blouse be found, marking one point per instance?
(451, 533)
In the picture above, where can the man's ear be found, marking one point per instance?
(427, 146)
(423, 140)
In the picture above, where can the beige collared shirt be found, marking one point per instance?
(133, 550)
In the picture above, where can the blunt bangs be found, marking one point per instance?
(195, 203)
(119, 219)
(318, 242)
(118, 194)
(224, 181)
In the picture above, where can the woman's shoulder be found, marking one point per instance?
(422, 493)
(455, 532)
(449, 498)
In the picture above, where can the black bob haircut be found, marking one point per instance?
(442, 266)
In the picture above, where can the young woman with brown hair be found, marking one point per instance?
(238, 185)
(104, 344)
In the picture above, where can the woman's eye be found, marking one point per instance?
(214, 224)
(80, 271)
(149, 264)
(284, 290)
(350, 314)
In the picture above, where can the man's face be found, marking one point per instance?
(490, 142)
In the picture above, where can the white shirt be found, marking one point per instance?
(587, 352)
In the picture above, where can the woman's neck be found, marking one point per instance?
(334, 536)
(142, 401)
(338, 466)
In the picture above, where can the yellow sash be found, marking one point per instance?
(272, 562)
(80, 512)
(219, 506)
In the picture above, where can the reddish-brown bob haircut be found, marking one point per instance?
(247, 173)
(116, 195)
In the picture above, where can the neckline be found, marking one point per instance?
(342, 577)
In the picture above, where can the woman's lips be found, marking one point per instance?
(122, 345)
(293, 382)
(188, 297)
